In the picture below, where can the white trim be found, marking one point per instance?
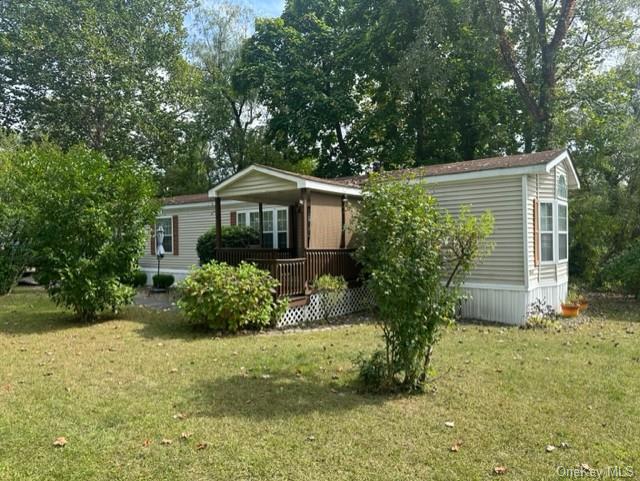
(300, 182)
(206, 204)
(560, 202)
(525, 228)
(496, 287)
(154, 270)
(155, 229)
(507, 172)
(552, 232)
(561, 158)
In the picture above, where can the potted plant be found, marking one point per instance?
(571, 306)
(583, 301)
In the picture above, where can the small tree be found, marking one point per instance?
(414, 258)
(86, 220)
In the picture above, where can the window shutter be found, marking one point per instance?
(176, 236)
(232, 217)
(536, 242)
(152, 242)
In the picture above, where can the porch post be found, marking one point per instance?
(304, 220)
(218, 223)
(261, 224)
(343, 206)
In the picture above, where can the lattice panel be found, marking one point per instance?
(323, 305)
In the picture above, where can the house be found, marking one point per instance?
(303, 220)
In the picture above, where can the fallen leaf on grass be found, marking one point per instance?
(202, 445)
(166, 441)
(179, 416)
(146, 443)
(500, 469)
(449, 424)
(456, 446)
(60, 442)
(174, 370)
(311, 438)
(550, 448)
(185, 435)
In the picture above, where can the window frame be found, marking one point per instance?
(275, 231)
(155, 230)
(565, 204)
(565, 195)
(553, 231)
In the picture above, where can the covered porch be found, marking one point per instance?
(303, 237)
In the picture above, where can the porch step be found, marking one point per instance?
(298, 301)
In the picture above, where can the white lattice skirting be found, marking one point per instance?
(321, 306)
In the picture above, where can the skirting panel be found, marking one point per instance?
(495, 305)
(326, 306)
(553, 295)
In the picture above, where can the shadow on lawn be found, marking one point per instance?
(281, 395)
(25, 322)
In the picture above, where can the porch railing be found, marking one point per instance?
(295, 274)
(234, 256)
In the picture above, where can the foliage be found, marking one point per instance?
(15, 251)
(232, 236)
(229, 298)
(86, 220)
(541, 315)
(414, 258)
(137, 278)
(331, 290)
(163, 281)
(624, 270)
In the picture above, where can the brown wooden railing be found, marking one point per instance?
(289, 272)
(337, 262)
(295, 274)
(234, 256)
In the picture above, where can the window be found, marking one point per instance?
(563, 232)
(546, 231)
(275, 226)
(562, 186)
(167, 226)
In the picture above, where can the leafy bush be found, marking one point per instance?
(86, 220)
(414, 258)
(137, 278)
(232, 236)
(15, 249)
(229, 298)
(331, 290)
(163, 281)
(623, 271)
(541, 315)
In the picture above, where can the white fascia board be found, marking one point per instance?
(332, 188)
(564, 156)
(198, 204)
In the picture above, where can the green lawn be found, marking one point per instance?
(282, 405)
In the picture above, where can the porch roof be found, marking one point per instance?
(259, 183)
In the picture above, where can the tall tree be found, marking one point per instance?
(98, 72)
(546, 43)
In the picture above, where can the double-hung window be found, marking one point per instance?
(275, 226)
(563, 232)
(546, 232)
(167, 227)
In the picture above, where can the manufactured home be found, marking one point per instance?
(302, 222)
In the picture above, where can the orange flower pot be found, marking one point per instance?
(570, 310)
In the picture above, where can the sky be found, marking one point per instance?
(266, 8)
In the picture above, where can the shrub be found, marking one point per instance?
(86, 220)
(541, 315)
(229, 298)
(414, 258)
(137, 278)
(232, 236)
(163, 281)
(331, 290)
(623, 271)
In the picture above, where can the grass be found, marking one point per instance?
(281, 406)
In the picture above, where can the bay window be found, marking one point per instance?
(546, 231)
(563, 232)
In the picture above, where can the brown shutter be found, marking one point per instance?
(152, 242)
(232, 217)
(536, 241)
(176, 236)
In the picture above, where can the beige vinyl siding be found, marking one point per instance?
(544, 187)
(256, 182)
(503, 197)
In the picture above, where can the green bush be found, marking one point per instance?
(229, 298)
(414, 258)
(137, 278)
(163, 281)
(331, 290)
(623, 271)
(86, 219)
(232, 236)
